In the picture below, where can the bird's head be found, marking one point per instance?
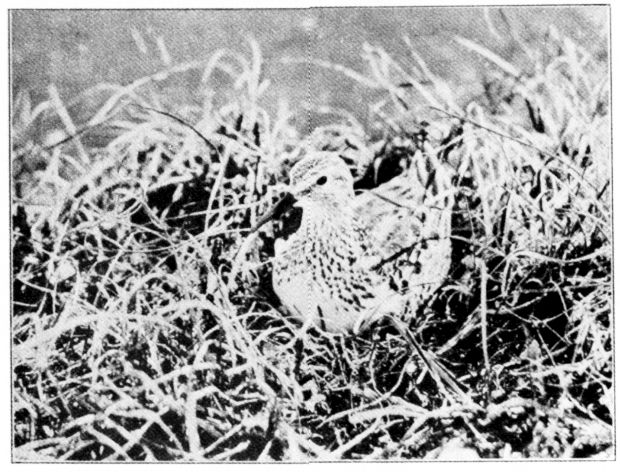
(320, 183)
(321, 179)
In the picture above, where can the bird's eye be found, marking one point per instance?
(321, 180)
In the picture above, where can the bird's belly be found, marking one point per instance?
(311, 300)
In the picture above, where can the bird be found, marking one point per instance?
(356, 257)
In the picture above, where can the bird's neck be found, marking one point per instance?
(327, 218)
(330, 233)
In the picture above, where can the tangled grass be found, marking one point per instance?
(141, 332)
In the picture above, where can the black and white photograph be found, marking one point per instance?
(313, 234)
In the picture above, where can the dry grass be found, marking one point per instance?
(141, 333)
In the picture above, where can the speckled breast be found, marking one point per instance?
(318, 283)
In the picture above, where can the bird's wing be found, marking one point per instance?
(406, 222)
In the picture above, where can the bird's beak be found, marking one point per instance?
(282, 206)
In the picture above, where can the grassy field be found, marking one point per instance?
(141, 331)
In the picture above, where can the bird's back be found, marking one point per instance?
(407, 222)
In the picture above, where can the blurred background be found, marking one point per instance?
(75, 50)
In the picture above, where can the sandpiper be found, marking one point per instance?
(354, 257)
